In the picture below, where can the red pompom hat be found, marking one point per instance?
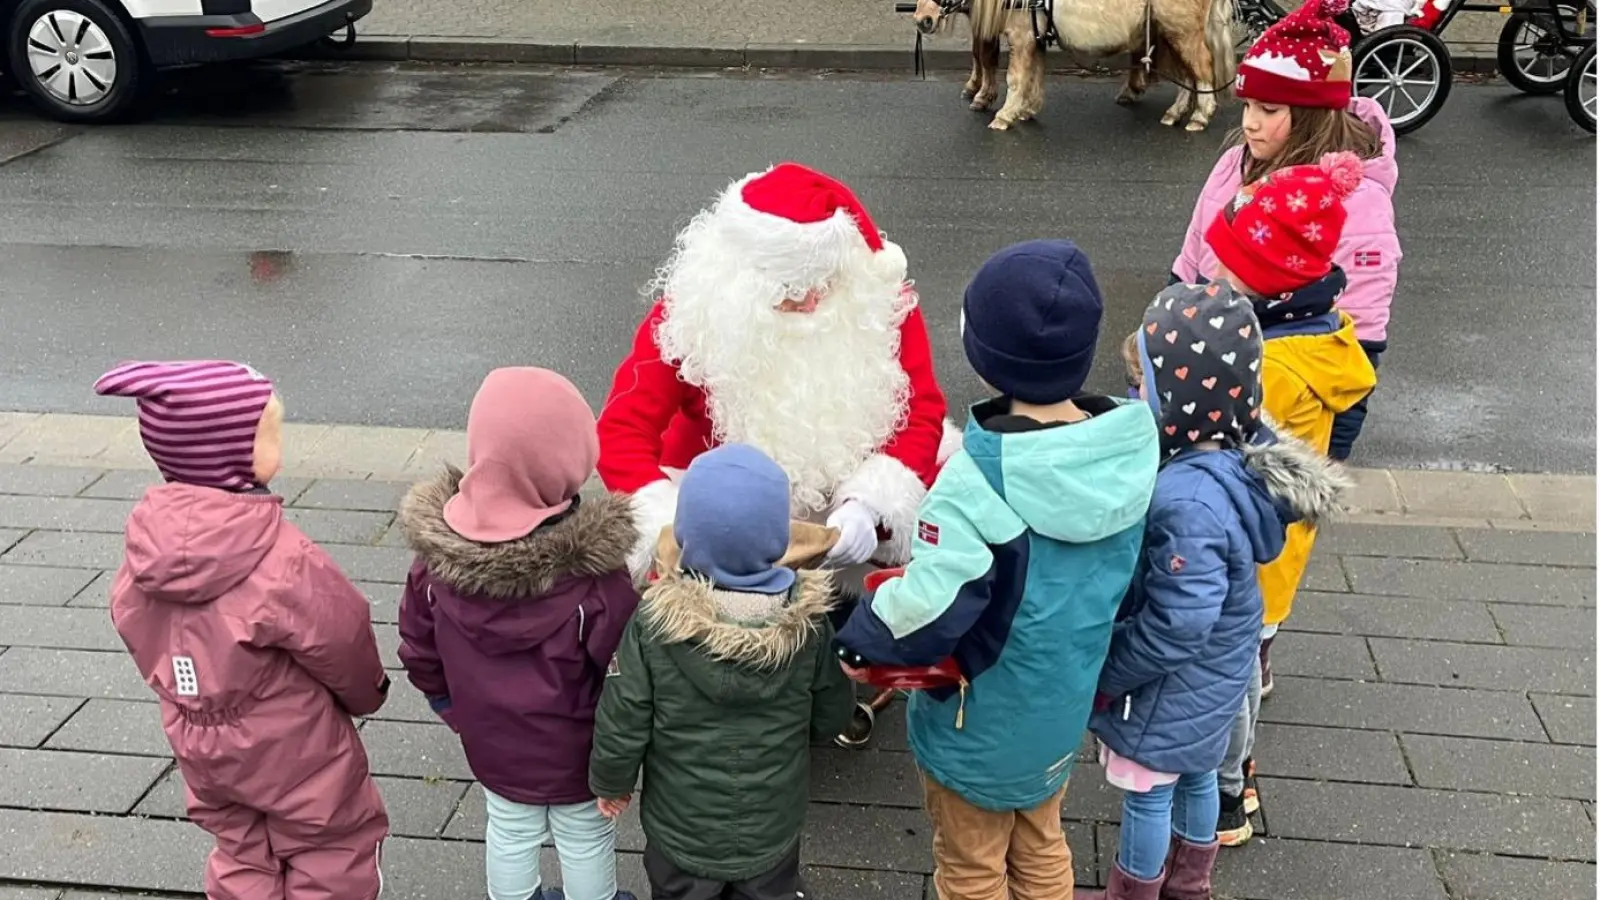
(801, 227)
(1304, 60)
(1278, 235)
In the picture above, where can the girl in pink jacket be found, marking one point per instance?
(259, 648)
(1295, 83)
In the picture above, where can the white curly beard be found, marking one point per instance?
(818, 392)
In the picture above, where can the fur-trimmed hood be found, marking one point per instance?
(1271, 483)
(593, 540)
(729, 661)
(1305, 484)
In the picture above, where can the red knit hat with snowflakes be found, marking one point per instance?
(1278, 235)
(802, 227)
(1303, 60)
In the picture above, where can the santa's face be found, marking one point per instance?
(806, 304)
(805, 367)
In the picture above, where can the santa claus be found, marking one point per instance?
(783, 320)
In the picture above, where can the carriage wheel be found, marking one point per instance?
(1251, 19)
(1407, 70)
(1530, 53)
(1580, 91)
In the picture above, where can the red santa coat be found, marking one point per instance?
(654, 420)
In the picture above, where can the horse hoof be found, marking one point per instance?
(1169, 120)
(1195, 126)
(968, 93)
(980, 104)
(999, 125)
(1127, 99)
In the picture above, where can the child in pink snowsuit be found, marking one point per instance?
(259, 648)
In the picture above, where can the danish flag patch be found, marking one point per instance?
(1368, 259)
(928, 533)
(1176, 564)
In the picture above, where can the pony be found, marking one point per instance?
(1191, 42)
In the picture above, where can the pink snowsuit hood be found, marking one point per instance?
(192, 545)
(260, 651)
(1369, 251)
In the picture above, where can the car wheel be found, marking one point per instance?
(77, 59)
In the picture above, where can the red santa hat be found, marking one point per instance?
(1303, 60)
(801, 227)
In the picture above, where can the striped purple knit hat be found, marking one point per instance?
(197, 418)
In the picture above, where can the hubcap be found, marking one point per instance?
(1403, 76)
(71, 57)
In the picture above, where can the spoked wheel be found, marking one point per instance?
(1251, 19)
(1530, 52)
(1580, 91)
(76, 58)
(1407, 70)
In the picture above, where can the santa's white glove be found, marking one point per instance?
(858, 534)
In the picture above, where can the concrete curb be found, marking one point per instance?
(837, 57)
(1379, 496)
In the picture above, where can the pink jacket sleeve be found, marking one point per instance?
(1219, 184)
(1369, 252)
(417, 650)
(328, 631)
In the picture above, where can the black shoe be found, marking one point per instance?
(1233, 823)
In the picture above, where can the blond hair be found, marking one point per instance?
(1130, 358)
(1313, 131)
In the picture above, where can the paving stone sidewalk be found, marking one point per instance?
(1431, 737)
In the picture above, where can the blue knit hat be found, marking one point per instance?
(1030, 320)
(733, 520)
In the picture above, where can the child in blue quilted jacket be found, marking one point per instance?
(1183, 649)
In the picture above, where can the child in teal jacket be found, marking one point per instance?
(1024, 550)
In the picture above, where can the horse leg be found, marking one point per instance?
(974, 80)
(1135, 84)
(1018, 69)
(1201, 104)
(1033, 99)
(987, 62)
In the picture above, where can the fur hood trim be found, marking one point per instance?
(1296, 475)
(593, 541)
(680, 608)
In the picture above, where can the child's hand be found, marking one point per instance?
(857, 675)
(612, 808)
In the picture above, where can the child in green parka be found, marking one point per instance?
(722, 680)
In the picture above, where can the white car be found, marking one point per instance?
(89, 60)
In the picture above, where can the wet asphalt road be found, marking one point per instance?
(377, 237)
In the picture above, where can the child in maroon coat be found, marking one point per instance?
(511, 614)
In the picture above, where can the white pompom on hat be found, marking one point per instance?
(802, 227)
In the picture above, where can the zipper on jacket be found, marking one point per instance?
(961, 707)
(1127, 706)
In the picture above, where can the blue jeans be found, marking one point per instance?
(586, 843)
(1187, 808)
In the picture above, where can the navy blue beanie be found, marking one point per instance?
(1030, 320)
(733, 520)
